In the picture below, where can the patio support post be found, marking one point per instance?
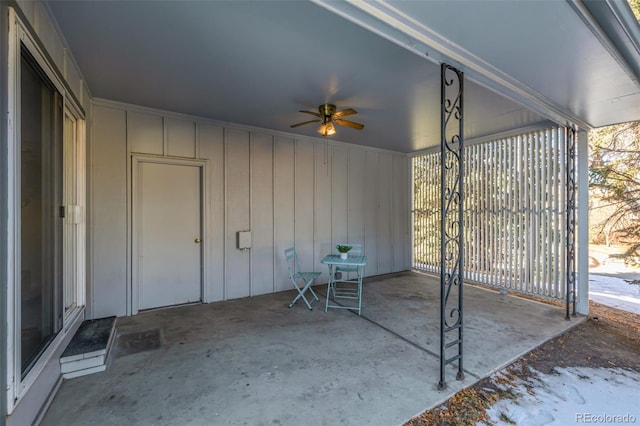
(451, 218)
(571, 223)
(582, 211)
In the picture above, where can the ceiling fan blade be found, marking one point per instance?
(344, 113)
(312, 113)
(348, 123)
(305, 122)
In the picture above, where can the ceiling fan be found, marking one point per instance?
(327, 115)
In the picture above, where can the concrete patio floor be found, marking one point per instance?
(253, 361)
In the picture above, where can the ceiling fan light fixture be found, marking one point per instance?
(327, 114)
(327, 129)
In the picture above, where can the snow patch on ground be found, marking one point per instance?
(575, 395)
(615, 292)
(579, 395)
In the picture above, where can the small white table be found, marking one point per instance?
(352, 289)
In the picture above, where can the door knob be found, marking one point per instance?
(197, 240)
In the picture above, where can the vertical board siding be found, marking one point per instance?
(108, 236)
(284, 210)
(262, 259)
(286, 191)
(304, 198)
(384, 227)
(181, 138)
(513, 213)
(72, 74)
(211, 147)
(49, 36)
(356, 178)
(55, 46)
(339, 196)
(370, 212)
(28, 9)
(144, 133)
(323, 209)
(237, 276)
(400, 216)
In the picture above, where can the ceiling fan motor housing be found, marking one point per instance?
(327, 110)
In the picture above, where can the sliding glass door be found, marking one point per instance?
(41, 180)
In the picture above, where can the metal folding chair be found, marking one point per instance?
(297, 276)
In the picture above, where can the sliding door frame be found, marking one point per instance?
(19, 37)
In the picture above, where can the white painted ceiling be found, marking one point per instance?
(257, 63)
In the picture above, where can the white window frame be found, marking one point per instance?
(17, 386)
(74, 234)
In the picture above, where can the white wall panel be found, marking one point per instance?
(72, 74)
(28, 8)
(304, 208)
(400, 218)
(339, 195)
(237, 277)
(85, 97)
(180, 137)
(262, 260)
(283, 199)
(145, 133)
(108, 233)
(384, 240)
(287, 192)
(356, 178)
(323, 208)
(48, 35)
(370, 212)
(211, 147)
(55, 46)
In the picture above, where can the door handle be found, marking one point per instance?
(197, 240)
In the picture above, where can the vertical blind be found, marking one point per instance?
(514, 212)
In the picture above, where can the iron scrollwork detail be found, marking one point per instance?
(571, 223)
(451, 233)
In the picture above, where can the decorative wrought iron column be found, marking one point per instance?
(571, 140)
(451, 221)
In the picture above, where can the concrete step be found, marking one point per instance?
(88, 351)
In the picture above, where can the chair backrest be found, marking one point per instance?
(292, 261)
(356, 249)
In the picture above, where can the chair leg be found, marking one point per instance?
(307, 287)
(314, 293)
(299, 296)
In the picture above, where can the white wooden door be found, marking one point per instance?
(167, 227)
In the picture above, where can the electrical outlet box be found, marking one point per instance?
(244, 240)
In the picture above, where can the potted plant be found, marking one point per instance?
(344, 250)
